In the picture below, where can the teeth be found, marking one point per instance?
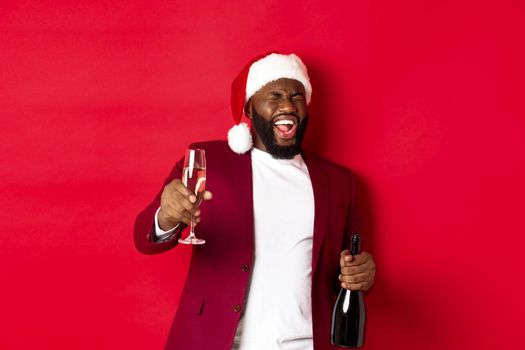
(284, 122)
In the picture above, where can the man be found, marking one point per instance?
(276, 226)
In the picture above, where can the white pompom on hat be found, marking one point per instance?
(257, 73)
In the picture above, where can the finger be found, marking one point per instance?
(176, 212)
(186, 217)
(186, 221)
(184, 207)
(355, 286)
(364, 286)
(181, 191)
(171, 215)
(178, 199)
(361, 259)
(351, 270)
(207, 195)
(345, 255)
(353, 279)
(197, 221)
(347, 261)
(349, 258)
(171, 185)
(367, 266)
(176, 209)
(178, 186)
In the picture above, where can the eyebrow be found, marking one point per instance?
(278, 93)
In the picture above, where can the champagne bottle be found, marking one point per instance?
(348, 315)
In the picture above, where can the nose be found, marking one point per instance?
(287, 105)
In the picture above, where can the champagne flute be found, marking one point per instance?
(194, 178)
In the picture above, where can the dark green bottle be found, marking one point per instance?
(348, 315)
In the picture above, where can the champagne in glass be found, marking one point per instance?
(194, 178)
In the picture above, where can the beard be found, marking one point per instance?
(264, 129)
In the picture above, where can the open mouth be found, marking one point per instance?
(285, 127)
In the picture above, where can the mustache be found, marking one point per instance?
(286, 114)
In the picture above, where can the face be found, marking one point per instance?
(279, 117)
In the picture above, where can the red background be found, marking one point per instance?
(423, 99)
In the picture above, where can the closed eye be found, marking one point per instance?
(298, 96)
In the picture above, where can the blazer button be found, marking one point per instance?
(237, 308)
(244, 268)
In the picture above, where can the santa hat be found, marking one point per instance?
(257, 73)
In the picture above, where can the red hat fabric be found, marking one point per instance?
(258, 72)
(238, 93)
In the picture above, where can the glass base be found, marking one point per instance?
(192, 240)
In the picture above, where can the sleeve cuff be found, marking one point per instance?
(160, 234)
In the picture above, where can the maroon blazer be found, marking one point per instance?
(219, 271)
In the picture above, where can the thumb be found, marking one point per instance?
(345, 257)
(207, 195)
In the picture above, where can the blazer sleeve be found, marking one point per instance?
(144, 230)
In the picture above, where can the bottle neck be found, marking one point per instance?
(356, 244)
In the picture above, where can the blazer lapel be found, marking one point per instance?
(243, 185)
(320, 187)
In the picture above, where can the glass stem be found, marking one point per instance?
(192, 227)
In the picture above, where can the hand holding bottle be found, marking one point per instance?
(357, 272)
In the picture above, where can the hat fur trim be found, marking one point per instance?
(276, 66)
(240, 138)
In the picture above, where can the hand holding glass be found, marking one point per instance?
(194, 178)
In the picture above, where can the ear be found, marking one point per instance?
(248, 109)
